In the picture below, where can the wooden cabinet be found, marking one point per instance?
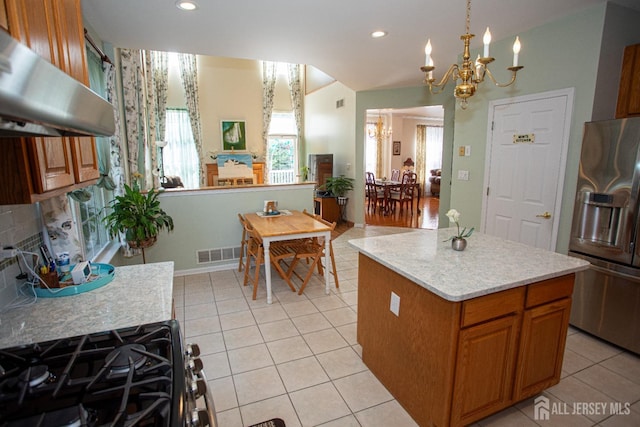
(453, 363)
(629, 91)
(54, 30)
(212, 174)
(327, 208)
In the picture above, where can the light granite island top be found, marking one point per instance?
(458, 336)
(489, 264)
(138, 294)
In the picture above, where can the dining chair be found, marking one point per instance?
(375, 195)
(331, 255)
(406, 193)
(243, 243)
(255, 250)
(395, 174)
(313, 250)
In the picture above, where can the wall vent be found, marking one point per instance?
(340, 103)
(206, 256)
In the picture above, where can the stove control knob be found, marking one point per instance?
(192, 350)
(199, 418)
(195, 365)
(198, 388)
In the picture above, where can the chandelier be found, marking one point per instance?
(469, 74)
(379, 131)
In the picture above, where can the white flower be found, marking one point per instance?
(453, 215)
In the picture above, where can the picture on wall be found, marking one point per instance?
(396, 148)
(234, 136)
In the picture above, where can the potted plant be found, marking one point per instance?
(139, 216)
(338, 186)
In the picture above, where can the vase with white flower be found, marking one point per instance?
(458, 242)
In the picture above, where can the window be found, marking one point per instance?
(180, 156)
(282, 143)
(89, 217)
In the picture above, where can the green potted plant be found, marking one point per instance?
(139, 216)
(339, 185)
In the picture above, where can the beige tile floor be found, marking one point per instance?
(298, 358)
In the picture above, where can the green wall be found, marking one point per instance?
(208, 219)
(559, 55)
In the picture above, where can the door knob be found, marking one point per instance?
(545, 215)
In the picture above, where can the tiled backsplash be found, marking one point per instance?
(20, 226)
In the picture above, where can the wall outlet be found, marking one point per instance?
(8, 253)
(395, 304)
(463, 175)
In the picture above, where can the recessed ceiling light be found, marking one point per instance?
(186, 5)
(378, 34)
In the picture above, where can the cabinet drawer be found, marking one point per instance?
(550, 290)
(492, 306)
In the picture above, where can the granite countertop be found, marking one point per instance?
(137, 295)
(489, 264)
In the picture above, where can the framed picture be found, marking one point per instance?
(234, 136)
(396, 148)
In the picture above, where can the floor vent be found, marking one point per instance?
(206, 256)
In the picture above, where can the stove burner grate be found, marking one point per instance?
(119, 358)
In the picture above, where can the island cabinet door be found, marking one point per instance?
(484, 369)
(544, 332)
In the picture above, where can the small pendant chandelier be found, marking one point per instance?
(469, 74)
(380, 131)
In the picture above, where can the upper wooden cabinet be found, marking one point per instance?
(45, 166)
(629, 92)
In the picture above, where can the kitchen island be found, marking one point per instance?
(137, 295)
(473, 332)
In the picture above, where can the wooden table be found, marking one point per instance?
(389, 185)
(284, 227)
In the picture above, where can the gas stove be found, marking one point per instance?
(137, 376)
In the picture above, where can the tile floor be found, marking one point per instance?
(298, 358)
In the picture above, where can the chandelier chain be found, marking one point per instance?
(468, 26)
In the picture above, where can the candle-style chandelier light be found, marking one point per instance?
(468, 73)
(380, 131)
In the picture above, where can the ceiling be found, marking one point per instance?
(331, 35)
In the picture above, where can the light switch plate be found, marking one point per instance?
(395, 304)
(467, 150)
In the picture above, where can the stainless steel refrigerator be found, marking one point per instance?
(605, 232)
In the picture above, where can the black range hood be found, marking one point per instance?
(38, 99)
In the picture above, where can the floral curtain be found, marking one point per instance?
(150, 162)
(160, 76)
(189, 75)
(132, 93)
(268, 91)
(296, 102)
(115, 143)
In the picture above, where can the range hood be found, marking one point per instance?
(38, 99)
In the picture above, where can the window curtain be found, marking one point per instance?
(269, 74)
(115, 143)
(149, 162)
(160, 75)
(189, 75)
(97, 82)
(295, 90)
(421, 156)
(428, 152)
(379, 156)
(180, 155)
(134, 106)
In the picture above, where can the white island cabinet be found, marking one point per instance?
(137, 295)
(471, 332)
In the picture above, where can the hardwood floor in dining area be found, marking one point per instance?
(424, 217)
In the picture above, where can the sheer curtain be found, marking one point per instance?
(428, 152)
(180, 155)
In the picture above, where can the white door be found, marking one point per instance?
(526, 160)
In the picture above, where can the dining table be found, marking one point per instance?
(288, 225)
(388, 185)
